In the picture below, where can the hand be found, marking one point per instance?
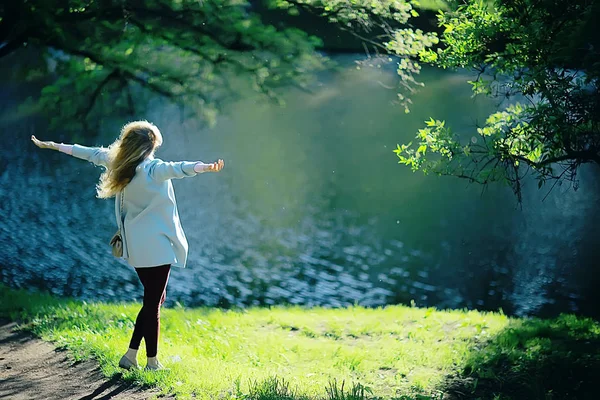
(216, 166)
(43, 145)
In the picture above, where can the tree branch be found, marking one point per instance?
(179, 44)
(585, 156)
(315, 10)
(129, 74)
(98, 90)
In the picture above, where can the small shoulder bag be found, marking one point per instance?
(117, 241)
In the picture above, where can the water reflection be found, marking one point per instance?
(312, 209)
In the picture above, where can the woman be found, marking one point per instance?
(146, 211)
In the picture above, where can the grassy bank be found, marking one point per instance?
(295, 353)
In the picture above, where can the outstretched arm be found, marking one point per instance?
(96, 155)
(161, 170)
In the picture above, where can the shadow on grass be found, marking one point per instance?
(534, 359)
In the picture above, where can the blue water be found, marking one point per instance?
(311, 209)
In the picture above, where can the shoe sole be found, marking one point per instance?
(156, 369)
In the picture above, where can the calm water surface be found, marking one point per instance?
(312, 209)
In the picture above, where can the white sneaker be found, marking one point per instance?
(126, 363)
(157, 367)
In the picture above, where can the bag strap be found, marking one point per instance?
(121, 207)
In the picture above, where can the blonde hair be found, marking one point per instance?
(137, 141)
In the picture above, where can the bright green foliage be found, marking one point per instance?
(434, 5)
(436, 138)
(109, 56)
(540, 56)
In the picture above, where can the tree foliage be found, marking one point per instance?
(111, 56)
(541, 58)
(383, 26)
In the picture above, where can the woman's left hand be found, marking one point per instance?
(216, 166)
(44, 145)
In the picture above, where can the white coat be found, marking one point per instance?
(149, 222)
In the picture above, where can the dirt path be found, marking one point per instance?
(32, 369)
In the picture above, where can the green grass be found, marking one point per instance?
(342, 354)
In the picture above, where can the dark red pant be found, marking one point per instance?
(147, 324)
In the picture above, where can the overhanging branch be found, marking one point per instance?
(576, 156)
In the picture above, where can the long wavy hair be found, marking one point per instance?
(137, 141)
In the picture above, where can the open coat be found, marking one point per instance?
(149, 221)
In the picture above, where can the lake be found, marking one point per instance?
(311, 209)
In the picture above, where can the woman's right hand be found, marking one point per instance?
(44, 145)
